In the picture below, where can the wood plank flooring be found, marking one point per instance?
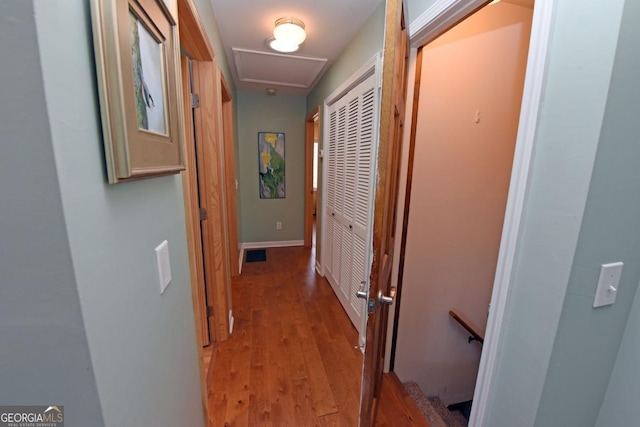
(293, 358)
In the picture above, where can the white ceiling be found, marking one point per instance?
(246, 24)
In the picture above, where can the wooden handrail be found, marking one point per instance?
(475, 334)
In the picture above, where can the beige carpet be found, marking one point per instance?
(434, 409)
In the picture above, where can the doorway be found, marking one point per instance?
(471, 83)
(311, 175)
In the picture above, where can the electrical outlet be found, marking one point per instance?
(278, 225)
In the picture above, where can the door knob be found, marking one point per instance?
(362, 292)
(388, 300)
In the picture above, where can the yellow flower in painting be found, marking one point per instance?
(271, 138)
(266, 158)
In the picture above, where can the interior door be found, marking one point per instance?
(380, 295)
(211, 195)
(192, 205)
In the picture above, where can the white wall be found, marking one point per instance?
(459, 189)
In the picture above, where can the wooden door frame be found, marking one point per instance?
(309, 124)
(228, 147)
(194, 242)
(211, 180)
(428, 26)
(194, 40)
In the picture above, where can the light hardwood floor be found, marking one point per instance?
(293, 359)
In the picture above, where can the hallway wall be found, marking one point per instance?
(142, 344)
(259, 112)
(588, 342)
(45, 356)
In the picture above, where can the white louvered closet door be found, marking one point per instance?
(330, 193)
(350, 155)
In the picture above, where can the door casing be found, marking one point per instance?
(309, 124)
(194, 40)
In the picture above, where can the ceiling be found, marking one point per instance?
(246, 24)
(330, 24)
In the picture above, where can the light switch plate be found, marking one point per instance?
(608, 284)
(164, 265)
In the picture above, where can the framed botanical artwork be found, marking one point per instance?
(271, 165)
(137, 65)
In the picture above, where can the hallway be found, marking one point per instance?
(292, 359)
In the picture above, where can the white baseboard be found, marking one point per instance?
(276, 244)
(319, 269)
(230, 322)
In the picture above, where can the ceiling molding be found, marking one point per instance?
(270, 68)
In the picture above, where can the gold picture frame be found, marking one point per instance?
(137, 65)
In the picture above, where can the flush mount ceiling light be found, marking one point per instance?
(288, 35)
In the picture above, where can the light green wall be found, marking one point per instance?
(550, 257)
(258, 112)
(44, 355)
(620, 406)
(367, 42)
(142, 344)
(208, 19)
(586, 345)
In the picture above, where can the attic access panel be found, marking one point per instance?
(277, 69)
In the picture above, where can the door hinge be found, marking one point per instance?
(209, 311)
(203, 214)
(195, 100)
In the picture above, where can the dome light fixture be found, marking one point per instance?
(288, 35)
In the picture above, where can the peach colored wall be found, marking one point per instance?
(462, 167)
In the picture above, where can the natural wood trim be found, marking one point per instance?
(193, 36)
(228, 147)
(203, 203)
(407, 204)
(211, 195)
(308, 174)
(392, 104)
(194, 242)
(190, 189)
(225, 90)
(212, 362)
